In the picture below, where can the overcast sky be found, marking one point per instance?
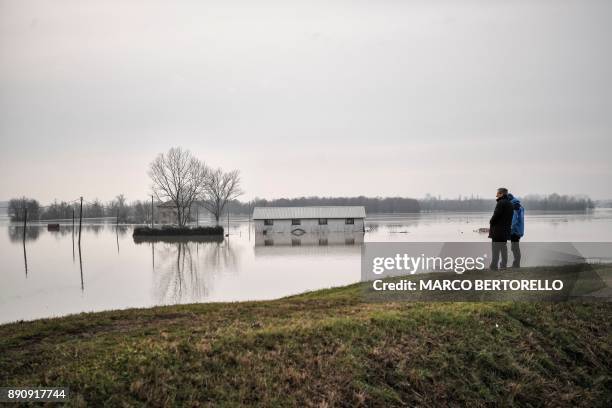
(377, 97)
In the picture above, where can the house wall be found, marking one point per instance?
(311, 225)
(166, 216)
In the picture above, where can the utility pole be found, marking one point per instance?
(80, 223)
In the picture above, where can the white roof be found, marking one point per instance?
(286, 213)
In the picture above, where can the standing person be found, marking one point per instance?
(517, 230)
(499, 229)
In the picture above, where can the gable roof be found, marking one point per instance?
(167, 204)
(286, 213)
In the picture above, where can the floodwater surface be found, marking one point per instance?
(50, 274)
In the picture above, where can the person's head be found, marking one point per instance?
(501, 192)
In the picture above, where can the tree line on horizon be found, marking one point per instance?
(552, 202)
(140, 211)
(371, 204)
(118, 208)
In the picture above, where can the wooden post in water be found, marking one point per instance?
(80, 224)
(25, 256)
(152, 222)
(81, 265)
(25, 221)
(228, 220)
(117, 231)
(73, 220)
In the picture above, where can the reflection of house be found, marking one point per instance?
(309, 219)
(312, 239)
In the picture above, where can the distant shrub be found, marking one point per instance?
(168, 230)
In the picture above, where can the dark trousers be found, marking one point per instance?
(516, 250)
(499, 248)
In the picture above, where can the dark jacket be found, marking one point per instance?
(501, 221)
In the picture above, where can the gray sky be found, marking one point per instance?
(329, 97)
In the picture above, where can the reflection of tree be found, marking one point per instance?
(63, 230)
(121, 230)
(95, 228)
(16, 233)
(185, 270)
(66, 229)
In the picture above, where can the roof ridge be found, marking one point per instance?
(305, 212)
(307, 206)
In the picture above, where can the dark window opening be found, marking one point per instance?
(349, 221)
(296, 221)
(296, 242)
(269, 242)
(323, 241)
(268, 222)
(322, 221)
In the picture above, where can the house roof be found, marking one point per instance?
(170, 204)
(167, 204)
(285, 213)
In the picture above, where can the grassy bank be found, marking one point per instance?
(322, 348)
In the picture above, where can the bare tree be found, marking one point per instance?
(118, 208)
(220, 188)
(180, 178)
(17, 209)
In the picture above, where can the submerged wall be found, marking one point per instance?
(310, 225)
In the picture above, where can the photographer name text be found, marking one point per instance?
(469, 285)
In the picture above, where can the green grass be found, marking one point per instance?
(325, 348)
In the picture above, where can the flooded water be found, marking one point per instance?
(52, 275)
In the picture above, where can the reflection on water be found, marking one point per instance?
(81, 268)
(185, 270)
(25, 258)
(48, 273)
(35, 231)
(311, 244)
(308, 239)
(15, 233)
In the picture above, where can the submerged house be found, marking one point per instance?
(309, 219)
(166, 213)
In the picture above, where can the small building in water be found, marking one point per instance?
(166, 213)
(298, 220)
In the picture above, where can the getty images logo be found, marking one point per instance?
(414, 264)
